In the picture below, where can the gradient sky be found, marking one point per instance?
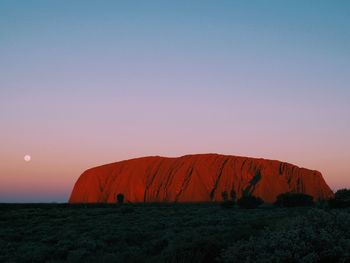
(83, 83)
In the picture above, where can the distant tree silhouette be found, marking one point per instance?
(120, 198)
(224, 196)
(343, 194)
(249, 202)
(341, 199)
(294, 200)
(226, 203)
(233, 195)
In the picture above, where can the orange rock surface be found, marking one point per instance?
(195, 178)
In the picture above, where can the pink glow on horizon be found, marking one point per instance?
(116, 130)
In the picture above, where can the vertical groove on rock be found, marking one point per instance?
(185, 183)
(218, 176)
(173, 170)
(149, 183)
(169, 180)
(243, 163)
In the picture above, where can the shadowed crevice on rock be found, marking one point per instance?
(252, 183)
(212, 193)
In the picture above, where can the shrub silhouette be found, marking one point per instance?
(249, 202)
(120, 198)
(294, 200)
(341, 199)
(224, 196)
(343, 194)
(226, 203)
(233, 195)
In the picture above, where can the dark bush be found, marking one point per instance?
(120, 198)
(322, 203)
(294, 200)
(343, 194)
(226, 203)
(341, 199)
(233, 195)
(249, 202)
(224, 196)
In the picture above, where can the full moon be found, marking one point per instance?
(27, 158)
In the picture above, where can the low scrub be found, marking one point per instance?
(249, 202)
(319, 236)
(341, 199)
(294, 200)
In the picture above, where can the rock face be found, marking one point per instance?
(195, 178)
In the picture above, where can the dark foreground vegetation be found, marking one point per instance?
(172, 233)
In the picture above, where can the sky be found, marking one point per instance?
(84, 83)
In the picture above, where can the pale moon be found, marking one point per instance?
(27, 158)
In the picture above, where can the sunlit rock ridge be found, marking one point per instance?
(195, 178)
